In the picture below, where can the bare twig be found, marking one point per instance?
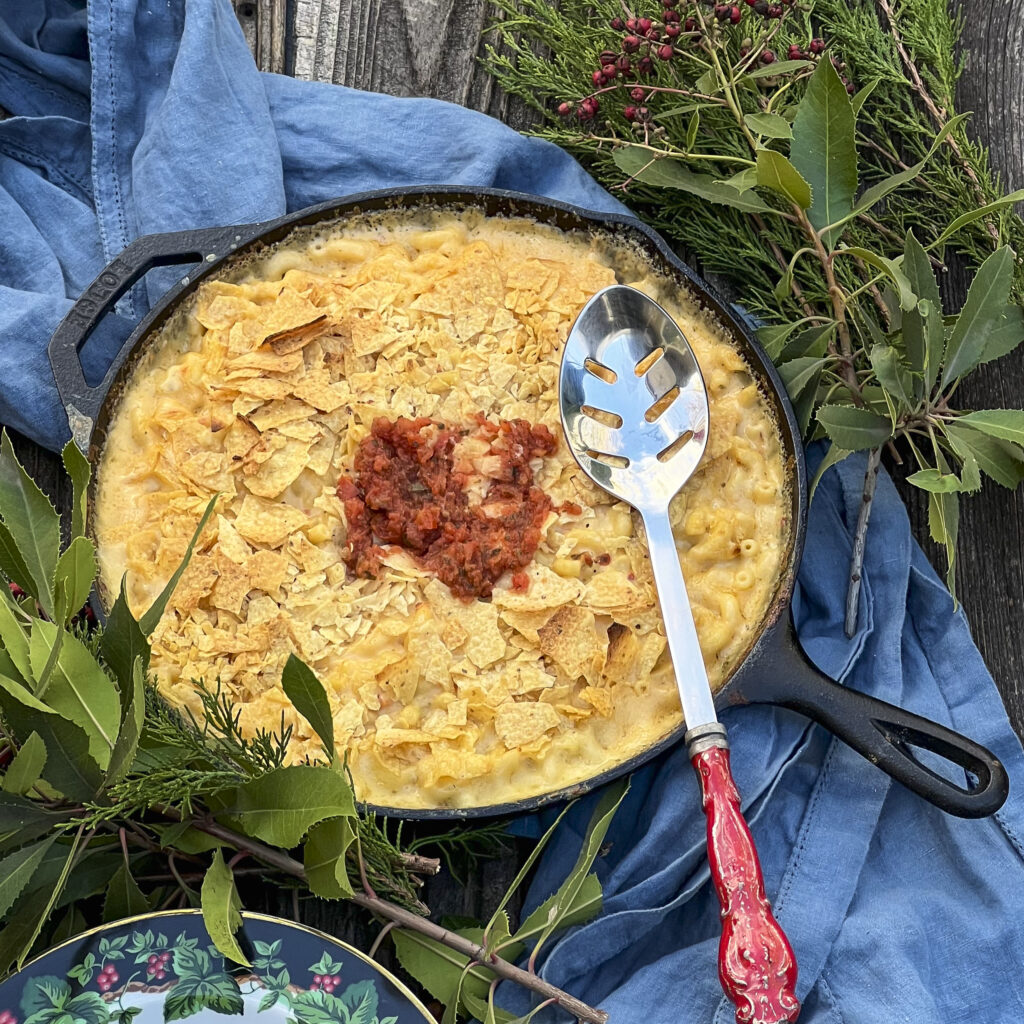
(381, 935)
(407, 919)
(798, 292)
(859, 540)
(421, 865)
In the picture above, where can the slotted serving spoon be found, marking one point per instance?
(635, 413)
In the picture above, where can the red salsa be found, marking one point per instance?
(407, 490)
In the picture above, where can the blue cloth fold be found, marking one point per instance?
(142, 115)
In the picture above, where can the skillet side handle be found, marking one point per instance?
(884, 734)
(82, 402)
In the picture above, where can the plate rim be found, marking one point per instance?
(252, 915)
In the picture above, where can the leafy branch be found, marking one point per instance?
(826, 187)
(108, 791)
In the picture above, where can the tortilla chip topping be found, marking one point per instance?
(374, 404)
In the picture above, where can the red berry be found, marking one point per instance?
(665, 52)
(629, 113)
(645, 65)
(16, 591)
(317, 978)
(160, 975)
(154, 959)
(750, 3)
(672, 31)
(637, 94)
(607, 57)
(767, 57)
(850, 88)
(669, 3)
(104, 985)
(564, 109)
(689, 25)
(608, 73)
(734, 15)
(630, 44)
(817, 46)
(597, 78)
(623, 64)
(645, 24)
(584, 114)
(618, 24)
(795, 53)
(631, 24)
(643, 114)
(671, 17)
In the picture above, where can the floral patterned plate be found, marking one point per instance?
(163, 967)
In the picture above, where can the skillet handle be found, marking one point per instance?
(883, 733)
(82, 402)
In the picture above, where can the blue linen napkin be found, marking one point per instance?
(144, 115)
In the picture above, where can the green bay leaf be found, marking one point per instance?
(774, 171)
(824, 150)
(307, 693)
(77, 688)
(668, 173)
(78, 469)
(152, 616)
(122, 643)
(973, 215)
(17, 869)
(854, 429)
(76, 570)
(999, 459)
(28, 764)
(32, 523)
(983, 312)
(124, 898)
(771, 126)
(438, 968)
(1007, 424)
(780, 67)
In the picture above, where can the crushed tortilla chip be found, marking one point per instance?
(571, 639)
(519, 724)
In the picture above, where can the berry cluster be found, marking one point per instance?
(327, 982)
(157, 965)
(6, 1017)
(108, 978)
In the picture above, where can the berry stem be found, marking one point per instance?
(680, 153)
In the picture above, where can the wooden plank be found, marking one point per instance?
(264, 22)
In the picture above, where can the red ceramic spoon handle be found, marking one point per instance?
(755, 961)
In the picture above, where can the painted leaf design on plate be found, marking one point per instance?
(48, 1000)
(319, 1007)
(360, 1001)
(202, 983)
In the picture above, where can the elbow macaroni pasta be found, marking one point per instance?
(262, 389)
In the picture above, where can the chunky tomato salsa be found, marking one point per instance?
(409, 488)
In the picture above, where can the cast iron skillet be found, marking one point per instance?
(774, 671)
